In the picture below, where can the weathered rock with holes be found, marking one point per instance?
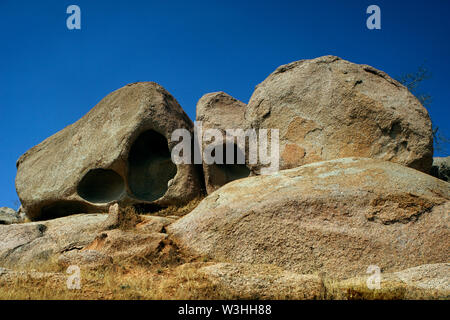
(336, 217)
(328, 108)
(220, 111)
(441, 168)
(118, 152)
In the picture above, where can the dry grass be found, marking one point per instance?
(170, 275)
(163, 278)
(175, 282)
(118, 282)
(391, 289)
(178, 211)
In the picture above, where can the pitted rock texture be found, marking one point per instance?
(118, 152)
(328, 108)
(336, 217)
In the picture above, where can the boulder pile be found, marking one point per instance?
(357, 185)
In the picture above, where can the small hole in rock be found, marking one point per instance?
(101, 186)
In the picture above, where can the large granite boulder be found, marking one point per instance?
(337, 217)
(118, 152)
(220, 111)
(328, 108)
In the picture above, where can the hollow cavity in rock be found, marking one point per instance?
(101, 186)
(221, 174)
(61, 209)
(150, 166)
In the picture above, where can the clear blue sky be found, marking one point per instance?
(51, 76)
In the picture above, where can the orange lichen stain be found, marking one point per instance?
(400, 208)
(298, 129)
(292, 156)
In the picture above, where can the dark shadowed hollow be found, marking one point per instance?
(224, 173)
(101, 186)
(61, 209)
(150, 166)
